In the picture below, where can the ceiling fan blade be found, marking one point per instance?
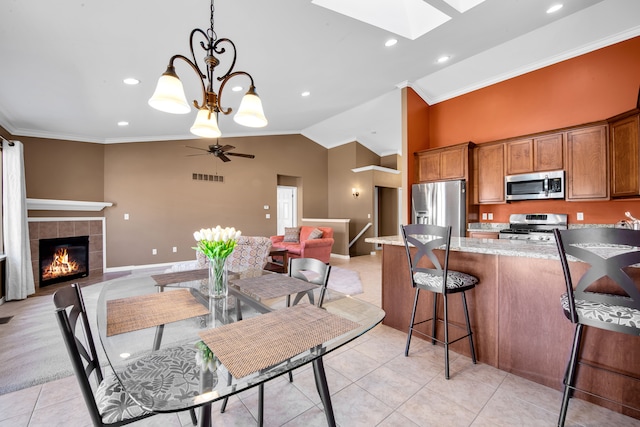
(227, 148)
(197, 148)
(248, 156)
(222, 157)
(203, 154)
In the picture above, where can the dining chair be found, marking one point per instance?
(313, 271)
(604, 297)
(108, 404)
(434, 276)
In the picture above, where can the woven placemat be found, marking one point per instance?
(181, 276)
(257, 343)
(271, 286)
(146, 311)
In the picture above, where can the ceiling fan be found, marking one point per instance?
(222, 152)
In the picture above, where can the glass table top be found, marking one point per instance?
(180, 373)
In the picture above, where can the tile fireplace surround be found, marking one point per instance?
(48, 228)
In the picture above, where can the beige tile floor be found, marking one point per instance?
(371, 382)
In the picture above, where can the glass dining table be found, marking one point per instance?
(174, 348)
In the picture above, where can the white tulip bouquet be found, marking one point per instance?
(216, 242)
(205, 357)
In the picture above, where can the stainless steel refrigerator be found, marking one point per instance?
(440, 203)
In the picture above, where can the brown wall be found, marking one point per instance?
(64, 170)
(152, 182)
(341, 180)
(588, 88)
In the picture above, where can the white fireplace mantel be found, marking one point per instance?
(65, 205)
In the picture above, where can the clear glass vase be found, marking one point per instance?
(218, 277)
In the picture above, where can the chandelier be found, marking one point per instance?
(169, 95)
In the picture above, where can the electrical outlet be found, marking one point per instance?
(126, 217)
(175, 249)
(484, 215)
(580, 216)
(490, 216)
(154, 252)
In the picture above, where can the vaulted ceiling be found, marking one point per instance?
(64, 61)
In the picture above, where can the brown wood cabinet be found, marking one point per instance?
(625, 154)
(518, 324)
(548, 153)
(484, 234)
(445, 163)
(541, 153)
(587, 163)
(489, 171)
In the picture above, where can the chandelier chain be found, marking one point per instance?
(212, 34)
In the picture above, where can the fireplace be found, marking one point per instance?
(63, 258)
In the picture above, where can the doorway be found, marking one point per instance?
(287, 207)
(387, 202)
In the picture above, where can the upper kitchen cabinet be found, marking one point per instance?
(488, 170)
(587, 163)
(441, 164)
(538, 154)
(625, 154)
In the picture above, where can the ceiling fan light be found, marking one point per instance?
(206, 125)
(250, 112)
(169, 95)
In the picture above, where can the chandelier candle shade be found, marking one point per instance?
(169, 95)
(217, 244)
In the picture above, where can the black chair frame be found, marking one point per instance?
(70, 308)
(575, 243)
(439, 237)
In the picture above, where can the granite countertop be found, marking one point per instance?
(506, 247)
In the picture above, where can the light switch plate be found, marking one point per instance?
(268, 216)
(580, 216)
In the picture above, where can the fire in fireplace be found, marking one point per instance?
(63, 258)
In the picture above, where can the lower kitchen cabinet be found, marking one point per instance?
(484, 234)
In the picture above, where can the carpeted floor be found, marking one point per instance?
(32, 350)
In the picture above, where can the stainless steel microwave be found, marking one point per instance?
(535, 186)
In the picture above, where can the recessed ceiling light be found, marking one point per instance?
(131, 81)
(443, 58)
(305, 93)
(390, 42)
(554, 8)
(123, 123)
(236, 88)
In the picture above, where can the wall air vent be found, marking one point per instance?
(206, 177)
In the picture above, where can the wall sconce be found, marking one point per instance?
(355, 193)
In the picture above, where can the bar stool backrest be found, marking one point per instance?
(607, 281)
(426, 238)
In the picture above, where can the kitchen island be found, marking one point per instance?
(516, 317)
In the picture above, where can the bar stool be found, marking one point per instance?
(437, 279)
(615, 309)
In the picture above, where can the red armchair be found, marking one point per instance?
(318, 248)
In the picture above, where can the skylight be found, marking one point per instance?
(406, 18)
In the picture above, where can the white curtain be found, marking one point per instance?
(19, 272)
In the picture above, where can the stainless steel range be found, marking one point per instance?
(534, 227)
